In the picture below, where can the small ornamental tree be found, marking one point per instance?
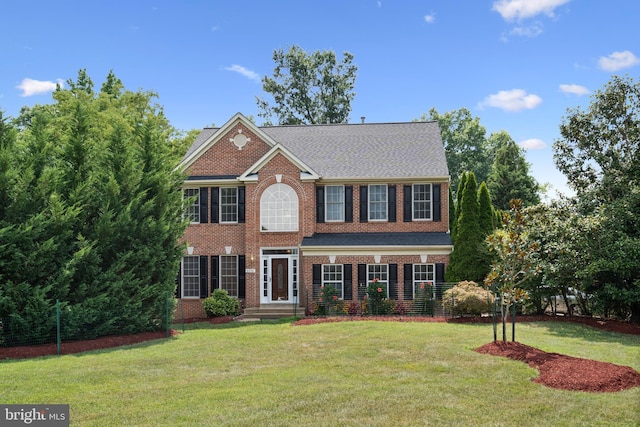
(516, 261)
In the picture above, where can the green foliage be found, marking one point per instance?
(89, 212)
(308, 88)
(377, 299)
(517, 260)
(509, 177)
(467, 298)
(328, 302)
(424, 301)
(221, 304)
(469, 259)
(599, 155)
(465, 144)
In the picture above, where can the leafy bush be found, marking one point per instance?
(221, 304)
(377, 298)
(468, 298)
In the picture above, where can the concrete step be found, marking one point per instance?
(273, 311)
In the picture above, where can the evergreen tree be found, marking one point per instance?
(486, 215)
(509, 177)
(91, 215)
(466, 262)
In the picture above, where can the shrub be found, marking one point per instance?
(221, 304)
(468, 298)
(377, 298)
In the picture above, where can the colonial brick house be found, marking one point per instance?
(280, 210)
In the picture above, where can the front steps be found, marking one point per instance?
(273, 311)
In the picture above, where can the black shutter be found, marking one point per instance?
(241, 204)
(393, 281)
(317, 280)
(439, 279)
(204, 282)
(391, 202)
(408, 281)
(242, 280)
(320, 204)
(204, 204)
(215, 275)
(347, 275)
(215, 205)
(407, 215)
(364, 202)
(362, 281)
(437, 202)
(179, 281)
(348, 203)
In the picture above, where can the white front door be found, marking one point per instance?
(279, 278)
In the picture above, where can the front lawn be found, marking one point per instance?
(332, 374)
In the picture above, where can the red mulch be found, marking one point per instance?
(556, 370)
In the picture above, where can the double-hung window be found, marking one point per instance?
(334, 203)
(332, 275)
(229, 274)
(192, 209)
(191, 276)
(424, 277)
(378, 202)
(421, 201)
(229, 204)
(380, 272)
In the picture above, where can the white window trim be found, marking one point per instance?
(182, 281)
(386, 203)
(235, 257)
(195, 203)
(267, 214)
(324, 283)
(326, 204)
(220, 205)
(413, 203)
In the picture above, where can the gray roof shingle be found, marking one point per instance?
(365, 150)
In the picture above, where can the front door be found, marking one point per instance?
(279, 279)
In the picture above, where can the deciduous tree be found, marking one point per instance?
(308, 88)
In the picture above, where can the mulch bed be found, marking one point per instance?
(556, 370)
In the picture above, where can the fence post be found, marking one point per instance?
(166, 304)
(58, 326)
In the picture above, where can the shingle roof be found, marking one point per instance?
(377, 239)
(364, 150)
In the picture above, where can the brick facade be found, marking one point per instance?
(220, 163)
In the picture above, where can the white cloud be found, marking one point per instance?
(31, 87)
(618, 60)
(512, 10)
(251, 75)
(511, 100)
(574, 89)
(532, 144)
(530, 31)
(430, 19)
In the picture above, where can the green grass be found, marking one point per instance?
(332, 374)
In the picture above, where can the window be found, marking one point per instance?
(378, 202)
(192, 212)
(229, 274)
(421, 201)
(191, 276)
(380, 272)
(228, 204)
(334, 202)
(332, 275)
(279, 209)
(423, 275)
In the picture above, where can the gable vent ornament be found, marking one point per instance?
(240, 140)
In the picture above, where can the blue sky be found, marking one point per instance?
(518, 65)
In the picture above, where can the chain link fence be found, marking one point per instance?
(54, 325)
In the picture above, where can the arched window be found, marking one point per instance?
(279, 209)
